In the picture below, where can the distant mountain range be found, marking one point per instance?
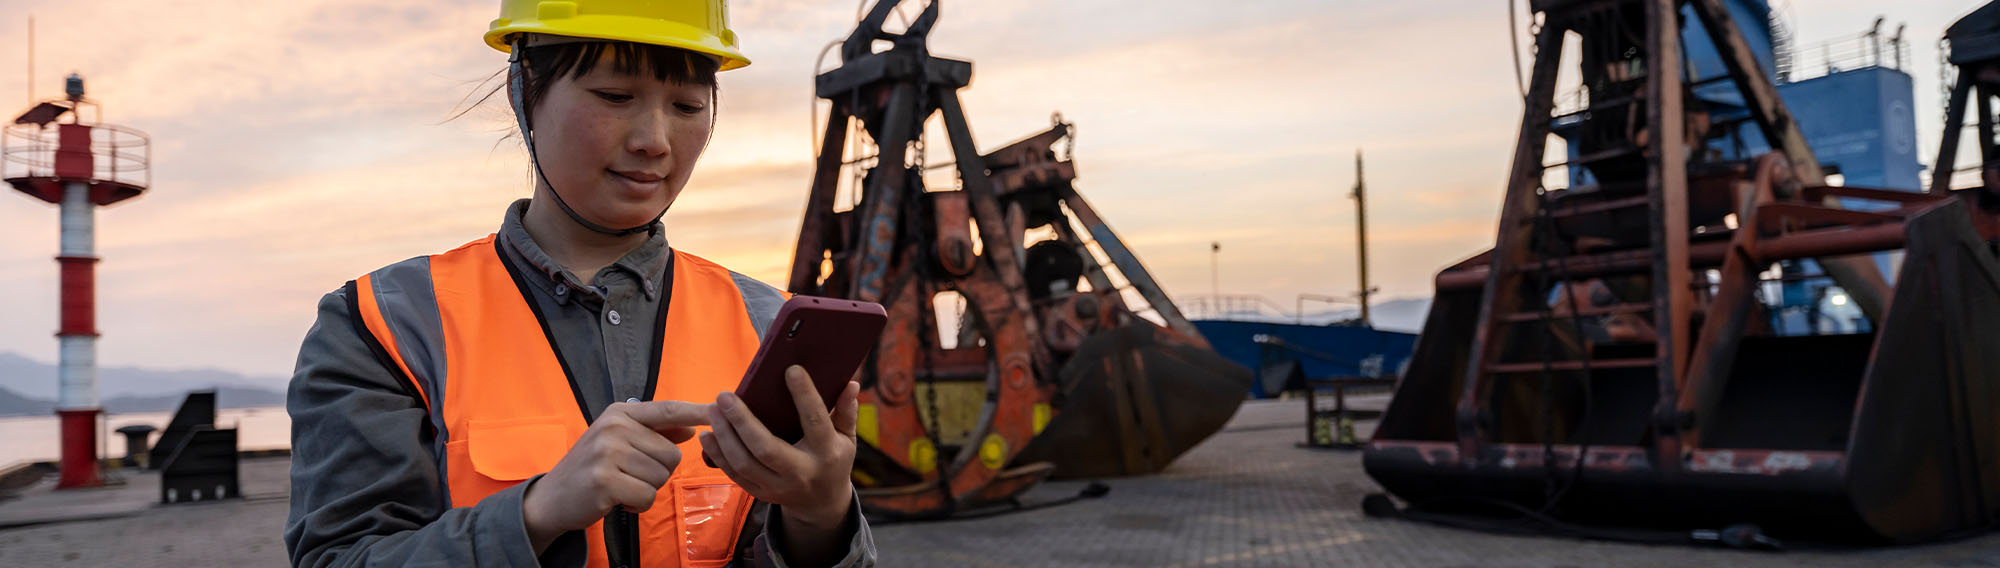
(13, 404)
(28, 388)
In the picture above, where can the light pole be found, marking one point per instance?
(1361, 231)
(1215, 273)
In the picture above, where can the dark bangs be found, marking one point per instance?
(546, 63)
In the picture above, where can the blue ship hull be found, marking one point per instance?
(1319, 351)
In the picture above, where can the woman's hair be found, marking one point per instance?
(545, 64)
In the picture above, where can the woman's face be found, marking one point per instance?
(619, 147)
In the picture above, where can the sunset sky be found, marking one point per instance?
(299, 143)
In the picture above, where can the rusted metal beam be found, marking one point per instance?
(895, 65)
(1027, 150)
(884, 198)
(1816, 243)
(1502, 294)
(998, 245)
(1092, 270)
(1128, 265)
(1728, 466)
(1816, 194)
(1666, 187)
(1575, 210)
(1825, 243)
(1985, 98)
(1009, 180)
(1954, 130)
(1863, 281)
(1775, 217)
(1758, 93)
(1596, 364)
(1729, 309)
(1562, 311)
(816, 226)
(861, 41)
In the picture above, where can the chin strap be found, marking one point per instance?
(516, 96)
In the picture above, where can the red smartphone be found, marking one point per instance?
(830, 337)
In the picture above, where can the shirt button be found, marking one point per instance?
(613, 317)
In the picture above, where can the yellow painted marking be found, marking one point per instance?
(865, 426)
(863, 479)
(993, 452)
(923, 456)
(1042, 413)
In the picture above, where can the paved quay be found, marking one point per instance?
(123, 525)
(1246, 497)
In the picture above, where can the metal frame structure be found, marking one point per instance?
(1046, 377)
(1606, 361)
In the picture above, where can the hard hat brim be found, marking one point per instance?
(624, 28)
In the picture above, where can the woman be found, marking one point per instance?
(531, 397)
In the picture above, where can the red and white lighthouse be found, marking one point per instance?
(53, 154)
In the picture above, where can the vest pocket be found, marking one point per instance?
(710, 513)
(496, 454)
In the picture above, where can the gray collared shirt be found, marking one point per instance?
(618, 306)
(365, 483)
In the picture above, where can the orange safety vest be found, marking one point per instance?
(460, 327)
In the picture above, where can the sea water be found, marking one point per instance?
(38, 438)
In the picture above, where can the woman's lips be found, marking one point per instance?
(638, 183)
(639, 176)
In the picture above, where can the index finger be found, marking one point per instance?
(668, 415)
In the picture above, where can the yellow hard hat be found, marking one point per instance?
(701, 26)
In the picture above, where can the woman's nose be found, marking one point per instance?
(650, 134)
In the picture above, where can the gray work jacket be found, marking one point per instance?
(366, 486)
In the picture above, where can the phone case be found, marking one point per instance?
(830, 337)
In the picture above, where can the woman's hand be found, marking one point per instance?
(809, 480)
(623, 459)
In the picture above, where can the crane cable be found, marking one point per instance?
(1514, 51)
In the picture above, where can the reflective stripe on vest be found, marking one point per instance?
(462, 332)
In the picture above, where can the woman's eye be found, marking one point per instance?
(612, 97)
(689, 108)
